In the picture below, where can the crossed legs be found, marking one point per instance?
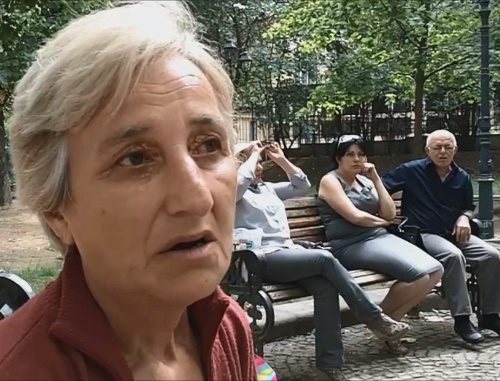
(324, 277)
(416, 272)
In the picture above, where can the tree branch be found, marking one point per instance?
(401, 26)
(447, 65)
(438, 3)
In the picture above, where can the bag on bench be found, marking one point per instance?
(410, 233)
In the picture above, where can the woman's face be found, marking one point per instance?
(259, 169)
(158, 174)
(353, 160)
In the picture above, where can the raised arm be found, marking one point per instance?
(387, 208)
(297, 186)
(298, 183)
(246, 173)
(331, 191)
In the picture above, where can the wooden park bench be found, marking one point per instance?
(258, 298)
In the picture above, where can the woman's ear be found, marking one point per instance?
(59, 226)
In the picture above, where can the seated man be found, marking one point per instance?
(437, 197)
(260, 205)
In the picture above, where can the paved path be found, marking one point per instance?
(435, 354)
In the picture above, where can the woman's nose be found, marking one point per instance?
(187, 189)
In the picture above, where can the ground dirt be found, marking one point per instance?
(22, 241)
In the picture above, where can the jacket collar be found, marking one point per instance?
(82, 324)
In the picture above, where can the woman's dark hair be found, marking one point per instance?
(340, 147)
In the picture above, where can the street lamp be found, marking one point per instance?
(234, 61)
(485, 177)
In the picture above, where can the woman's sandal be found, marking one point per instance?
(396, 348)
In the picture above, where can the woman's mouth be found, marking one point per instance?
(191, 247)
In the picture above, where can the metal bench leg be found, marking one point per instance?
(250, 302)
(259, 347)
(475, 297)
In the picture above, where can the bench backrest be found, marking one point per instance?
(304, 219)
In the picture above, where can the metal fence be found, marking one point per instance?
(248, 127)
(375, 121)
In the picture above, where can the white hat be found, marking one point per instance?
(241, 147)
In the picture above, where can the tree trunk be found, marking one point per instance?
(420, 78)
(418, 111)
(5, 193)
(374, 130)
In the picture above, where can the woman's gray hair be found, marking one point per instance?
(90, 66)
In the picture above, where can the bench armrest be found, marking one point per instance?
(244, 261)
(476, 227)
(399, 219)
(252, 260)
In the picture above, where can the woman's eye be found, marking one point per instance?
(209, 146)
(135, 159)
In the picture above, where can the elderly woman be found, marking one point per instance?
(122, 144)
(355, 208)
(260, 206)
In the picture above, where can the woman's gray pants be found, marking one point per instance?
(320, 273)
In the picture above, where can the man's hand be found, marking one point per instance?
(461, 231)
(275, 153)
(370, 171)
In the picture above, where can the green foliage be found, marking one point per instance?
(38, 277)
(375, 46)
(26, 24)
(383, 48)
(272, 88)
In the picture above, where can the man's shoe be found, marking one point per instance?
(332, 374)
(468, 332)
(490, 322)
(386, 328)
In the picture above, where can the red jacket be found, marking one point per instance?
(62, 334)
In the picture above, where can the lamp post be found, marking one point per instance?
(485, 177)
(236, 60)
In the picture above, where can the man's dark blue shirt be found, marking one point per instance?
(428, 202)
